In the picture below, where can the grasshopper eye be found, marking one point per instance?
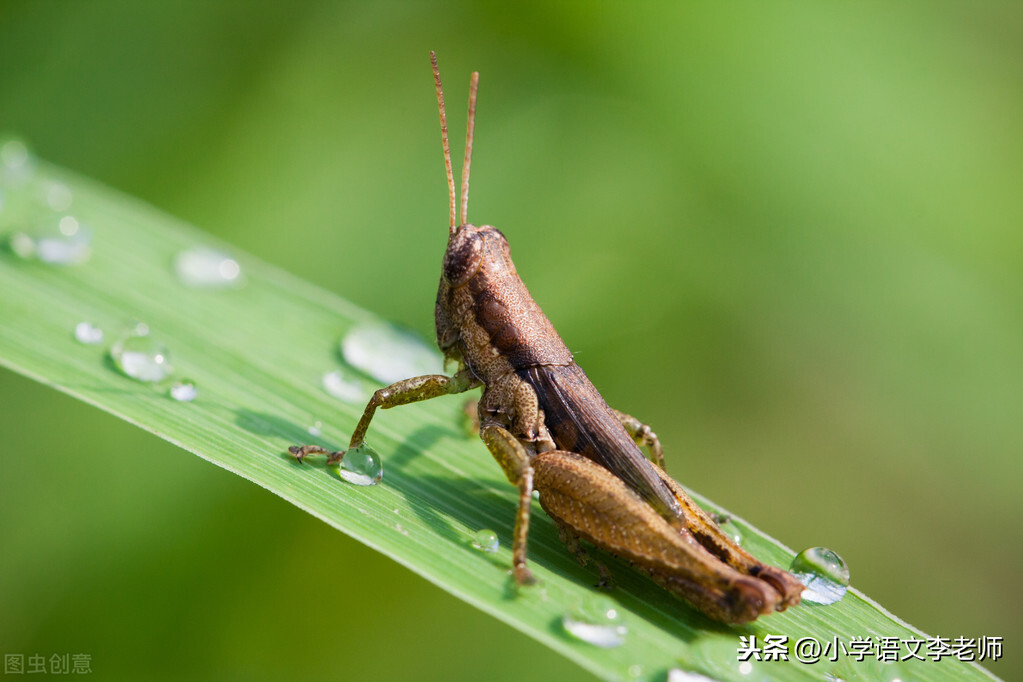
(463, 258)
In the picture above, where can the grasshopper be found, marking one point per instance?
(551, 431)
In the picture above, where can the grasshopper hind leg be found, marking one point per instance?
(727, 584)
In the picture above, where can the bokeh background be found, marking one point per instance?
(788, 235)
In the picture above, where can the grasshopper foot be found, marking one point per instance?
(607, 581)
(523, 576)
(302, 451)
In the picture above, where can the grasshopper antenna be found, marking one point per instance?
(444, 139)
(474, 84)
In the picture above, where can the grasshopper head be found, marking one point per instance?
(471, 250)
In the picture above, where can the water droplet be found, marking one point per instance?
(207, 268)
(715, 658)
(361, 466)
(184, 391)
(679, 675)
(316, 429)
(728, 527)
(86, 333)
(142, 357)
(389, 354)
(596, 620)
(536, 495)
(635, 671)
(824, 574)
(56, 240)
(486, 541)
(57, 195)
(137, 327)
(17, 162)
(343, 388)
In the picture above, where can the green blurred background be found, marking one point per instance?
(787, 235)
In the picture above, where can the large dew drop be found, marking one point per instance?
(141, 356)
(343, 388)
(361, 466)
(596, 620)
(824, 574)
(389, 354)
(207, 268)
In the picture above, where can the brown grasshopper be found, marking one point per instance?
(550, 430)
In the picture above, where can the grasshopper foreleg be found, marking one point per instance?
(643, 436)
(514, 461)
(400, 393)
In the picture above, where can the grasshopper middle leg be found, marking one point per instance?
(514, 461)
(643, 436)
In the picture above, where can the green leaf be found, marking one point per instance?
(258, 353)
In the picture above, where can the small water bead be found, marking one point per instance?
(728, 527)
(824, 574)
(389, 354)
(184, 391)
(361, 466)
(203, 267)
(679, 675)
(717, 658)
(596, 620)
(16, 161)
(57, 240)
(486, 541)
(57, 195)
(142, 357)
(88, 334)
(316, 429)
(343, 388)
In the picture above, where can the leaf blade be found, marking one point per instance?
(257, 355)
